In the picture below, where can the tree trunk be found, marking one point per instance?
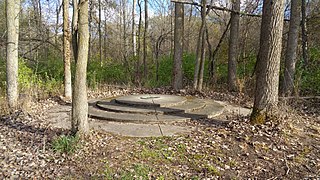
(233, 46)
(90, 28)
(56, 28)
(100, 34)
(79, 99)
(66, 51)
(12, 13)
(105, 40)
(75, 29)
(199, 44)
(124, 14)
(304, 33)
(134, 40)
(212, 58)
(145, 40)
(139, 41)
(292, 45)
(202, 60)
(268, 62)
(178, 46)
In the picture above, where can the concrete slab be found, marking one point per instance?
(211, 110)
(60, 116)
(134, 118)
(111, 106)
(141, 130)
(157, 100)
(192, 104)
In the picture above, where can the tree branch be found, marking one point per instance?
(220, 8)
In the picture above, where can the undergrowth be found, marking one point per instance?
(65, 144)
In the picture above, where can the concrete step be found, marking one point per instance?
(112, 106)
(154, 100)
(95, 112)
(211, 109)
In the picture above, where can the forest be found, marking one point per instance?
(225, 89)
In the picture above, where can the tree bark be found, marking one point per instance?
(79, 99)
(139, 42)
(91, 6)
(202, 59)
(75, 29)
(66, 51)
(134, 40)
(100, 34)
(178, 46)
(292, 45)
(304, 33)
(12, 13)
(145, 39)
(105, 40)
(233, 46)
(124, 16)
(199, 44)
(268, 63)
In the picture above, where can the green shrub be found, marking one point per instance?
(166, 67)
(308, 78)
(65, 144)
(106, 73)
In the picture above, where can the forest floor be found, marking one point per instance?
(288, 147)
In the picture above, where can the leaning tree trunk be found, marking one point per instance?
(233, 45)
(79, 99)
(66, 51)
(12, 13)
(178, 45)
(292, 45)
(202, 59)
(199, 44)
(268, 63)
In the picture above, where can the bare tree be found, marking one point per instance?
(199, 51)
(268, 62)
(100, 33)
(75, 29)
(304, 33)
(79, 98)
(233, 45)
(66, 51)
(178, 45)
(292, 45)
(134, 40)
(146, 21)
(12, 13)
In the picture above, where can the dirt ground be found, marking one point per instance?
(287, 147)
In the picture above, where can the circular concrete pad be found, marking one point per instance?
(154, 108)
(156, 100)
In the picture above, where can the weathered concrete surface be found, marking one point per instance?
(112, 106)
(60, 116)
(134, 118)
(141, 130)
(151, 100)
(163, 109)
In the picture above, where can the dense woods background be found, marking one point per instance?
(114, 59)
(260, 56)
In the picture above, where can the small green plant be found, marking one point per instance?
(65, 144)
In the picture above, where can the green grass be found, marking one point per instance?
(65, 144)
